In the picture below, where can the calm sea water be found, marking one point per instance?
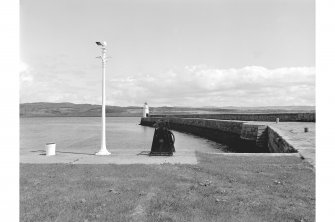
(82, 134)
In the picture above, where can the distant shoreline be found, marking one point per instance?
(70, 116)
(31, 110)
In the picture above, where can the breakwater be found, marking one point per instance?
(269, 117)
(239, 136)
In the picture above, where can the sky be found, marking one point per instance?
(169, 52)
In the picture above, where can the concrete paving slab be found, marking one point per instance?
(128, 157)
(256, 154)
(116, 157)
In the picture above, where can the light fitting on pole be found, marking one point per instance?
(103, 44)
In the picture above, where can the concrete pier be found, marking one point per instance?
(249, 136)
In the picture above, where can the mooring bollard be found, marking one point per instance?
(306, 129)
(277, 120)
(50, 149)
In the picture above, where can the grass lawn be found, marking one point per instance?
(219, 188)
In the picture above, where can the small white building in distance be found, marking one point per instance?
(145, 110)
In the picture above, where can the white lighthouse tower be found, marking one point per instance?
(145, 110)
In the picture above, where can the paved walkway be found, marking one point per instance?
(128, 157)
(116, 157)
(293, 133)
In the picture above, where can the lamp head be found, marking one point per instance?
(102, 44)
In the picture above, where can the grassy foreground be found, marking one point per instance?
(219, 188)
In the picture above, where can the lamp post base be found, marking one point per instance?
(103, 152)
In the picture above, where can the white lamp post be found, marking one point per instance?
(103, 150)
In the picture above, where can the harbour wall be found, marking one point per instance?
(239, 136)
(268, 117)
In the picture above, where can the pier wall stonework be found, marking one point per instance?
(240, 136)
(268, 117)
(276, 143)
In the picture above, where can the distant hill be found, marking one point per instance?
(69, 109)
(43, 109)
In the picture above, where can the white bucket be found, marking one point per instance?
(50, 149)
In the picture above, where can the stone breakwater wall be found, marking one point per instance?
(239, 136)
(277, 144)
(268, 117)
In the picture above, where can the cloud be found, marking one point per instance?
(190, 86)
(26, 77)
(22, 66)
(203, 86)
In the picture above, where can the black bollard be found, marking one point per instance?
(163, 140)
